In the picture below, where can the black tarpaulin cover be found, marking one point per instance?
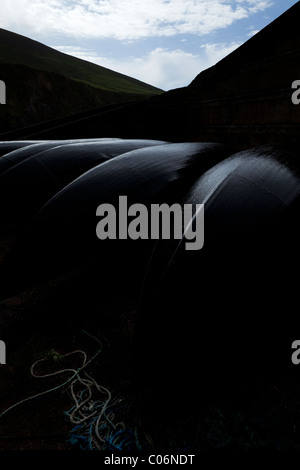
(62, 235)
(226, 312)
(210, 317)
(29, 177)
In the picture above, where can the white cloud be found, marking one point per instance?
(124, 19)
(216, 52)
(258, 5)
(164, 68)
(253, 32)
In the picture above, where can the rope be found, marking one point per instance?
(95, 427)
(75, 373)
(92, 417)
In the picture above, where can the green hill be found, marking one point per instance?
(44, 84)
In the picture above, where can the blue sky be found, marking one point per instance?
(162, 42)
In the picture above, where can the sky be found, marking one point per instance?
(165, 43)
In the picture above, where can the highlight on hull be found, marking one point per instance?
(216, 314)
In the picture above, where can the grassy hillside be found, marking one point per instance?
(44, 84)
(17, 49)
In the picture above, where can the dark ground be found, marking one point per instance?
(51, 320)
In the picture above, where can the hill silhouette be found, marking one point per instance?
(45, 84)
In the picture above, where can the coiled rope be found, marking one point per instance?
(93, 411)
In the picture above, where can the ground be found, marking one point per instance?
(45, 323)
